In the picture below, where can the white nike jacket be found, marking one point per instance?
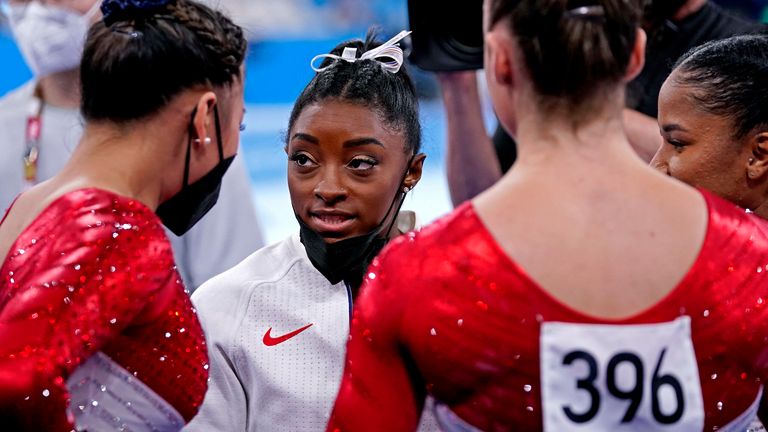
(277, 332)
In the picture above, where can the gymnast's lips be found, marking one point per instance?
(331, 221)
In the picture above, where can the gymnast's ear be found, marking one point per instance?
(637, 59)
(757, 164)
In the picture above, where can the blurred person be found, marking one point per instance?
(475, 161)
(278, 323)
(612, 298)
(713, 115)
(264, 19)
(96, 330)
(40, 126)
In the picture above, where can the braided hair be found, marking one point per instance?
(145, 52)
(391, 95)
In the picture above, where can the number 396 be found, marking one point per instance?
(634, 394)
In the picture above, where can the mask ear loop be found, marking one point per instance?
(218, 132)
(189, 147)
(402, 201)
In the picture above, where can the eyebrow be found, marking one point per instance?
(347, 144)
(305, 137)
(673, 127)
(361, 142)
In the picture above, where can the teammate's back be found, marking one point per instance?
(584, 291)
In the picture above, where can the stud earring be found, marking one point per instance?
(406, 189)
(751, 160)
(206, 140)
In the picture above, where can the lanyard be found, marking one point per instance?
(32, 141)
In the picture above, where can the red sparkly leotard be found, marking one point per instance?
(446, 312)
(96, 329)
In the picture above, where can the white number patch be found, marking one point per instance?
(620, 377)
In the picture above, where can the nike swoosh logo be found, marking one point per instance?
(272, 341)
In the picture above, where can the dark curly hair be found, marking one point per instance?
(138, 59)
(391, 95)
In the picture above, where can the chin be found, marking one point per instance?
(332, 240)
(334, 237)
(330, 236)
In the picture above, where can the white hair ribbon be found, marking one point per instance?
(388, 49)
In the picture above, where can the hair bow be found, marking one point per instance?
(116, 10)
(388, 49)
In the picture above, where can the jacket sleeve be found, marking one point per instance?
(225, 407)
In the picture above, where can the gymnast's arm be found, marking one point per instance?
(471, 162)
(102, 279)
(379, 390)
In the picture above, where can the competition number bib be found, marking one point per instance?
(620, 377)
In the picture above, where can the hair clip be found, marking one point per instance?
(117, 10)
(388, 49)
(127, 30)
(588, 12)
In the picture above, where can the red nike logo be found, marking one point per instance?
(272, 341)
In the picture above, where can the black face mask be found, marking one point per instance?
(344, 260)
(348, 259)
(182, 211)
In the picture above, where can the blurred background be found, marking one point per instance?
(284, 35)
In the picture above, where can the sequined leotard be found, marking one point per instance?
(92, 310)
(472, 329)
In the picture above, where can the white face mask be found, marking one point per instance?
(50, 37)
